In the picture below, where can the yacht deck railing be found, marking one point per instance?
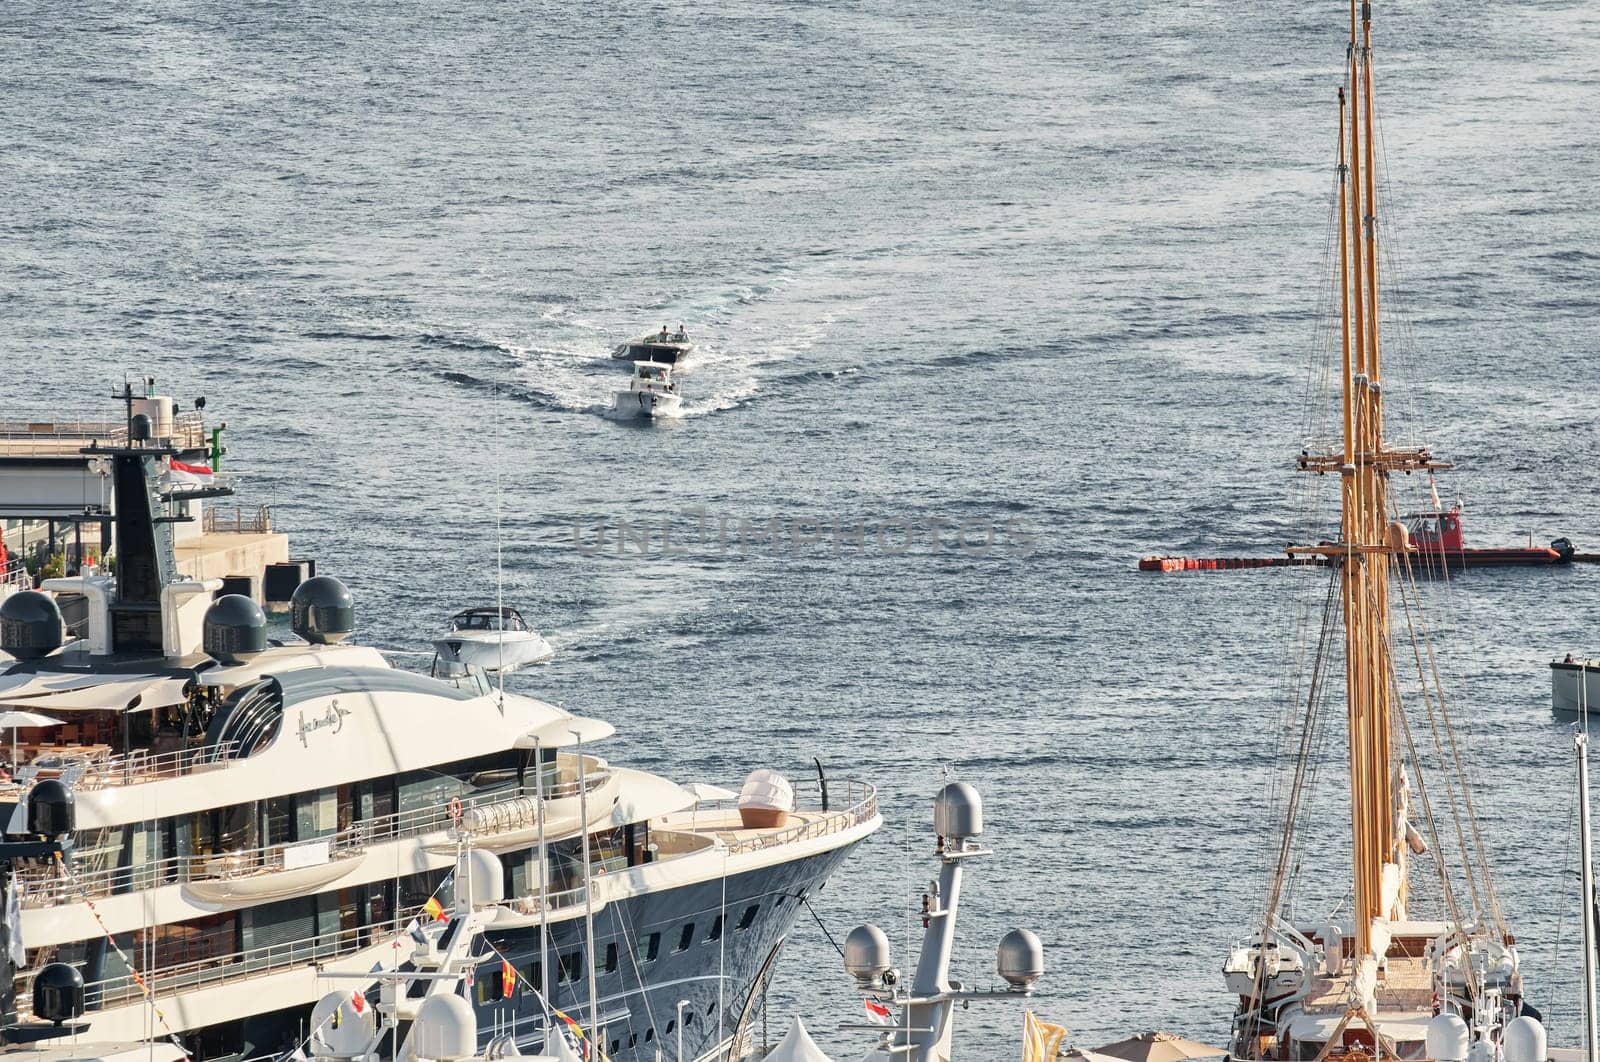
(252, 962)
(43, 887)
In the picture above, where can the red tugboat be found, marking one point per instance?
(1437, 533)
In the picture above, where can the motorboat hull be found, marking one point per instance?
(647, 404)
(1575, 687)
(493, 651)
(668, 353)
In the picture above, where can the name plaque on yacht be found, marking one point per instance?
(332, 719)
(311, 854)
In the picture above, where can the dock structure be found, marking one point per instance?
(57, 508)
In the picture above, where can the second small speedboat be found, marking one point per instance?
(668, 348)
(651, 393)
(493, 637)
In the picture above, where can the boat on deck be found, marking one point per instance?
(494, 638)
(667, 348)
(652, 393)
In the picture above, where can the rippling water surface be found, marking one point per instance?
(1046, 274)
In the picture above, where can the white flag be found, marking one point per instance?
(19, 956)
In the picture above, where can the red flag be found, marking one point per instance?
(508, 979)
(878, 1011)
(198, 475)
(358, 1002)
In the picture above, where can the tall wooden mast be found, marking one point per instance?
(1367, 541)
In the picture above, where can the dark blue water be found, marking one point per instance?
(1044, 275)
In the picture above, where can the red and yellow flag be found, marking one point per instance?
(508, 979)
(434, 909)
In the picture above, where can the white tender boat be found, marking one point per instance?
(651, 393)
(495, 638)
(1574, 684)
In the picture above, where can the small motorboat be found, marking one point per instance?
(494, 638)
(1437, 533)
(1575, 685)
(651, 393)
(664, 347)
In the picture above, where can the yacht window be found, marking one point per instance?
(611, 958)
(748, 919)
(277, 821)
(650, 1034)
(571, 966)
(650, 947)
(716, 930)
(316, 814)
(489, 986)
(672, 1026)
(616, 1046)
(685, 938)
(533, 975)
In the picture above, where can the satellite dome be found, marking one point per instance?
(958, 812)
(322, 610)
(51, 811)
(1524, 1040)
(58, 993)
(488, 877)
(446, 1029)
(139, 427)
(31, 625)
(1020, 959)
(234, 629)
(348, 1036)
(866, 954)
(1447, 1038)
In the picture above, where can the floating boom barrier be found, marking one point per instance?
(1471, 558)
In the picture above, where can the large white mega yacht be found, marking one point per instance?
(210, 830)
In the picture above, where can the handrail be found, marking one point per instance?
(251, 962)
(50, 434)
(242, 522)
(42, 888)
(128, 768)
(861, 802)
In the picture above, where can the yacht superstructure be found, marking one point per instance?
(218, 827)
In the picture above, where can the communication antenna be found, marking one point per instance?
(499, 563)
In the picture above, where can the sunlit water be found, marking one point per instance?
(1050, 272)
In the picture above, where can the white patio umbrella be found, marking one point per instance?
(16, 720)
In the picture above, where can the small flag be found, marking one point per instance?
(568, 1019)
(434, 909)
(197, 475)
(1040, 1039)
(358, 1002)
(877, 1011)
(508, 979)
(19, 956)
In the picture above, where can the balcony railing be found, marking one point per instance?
(42, 887)
(59, 435)
(252, 962)
(100, 771)
(860, 803)
(241, 521)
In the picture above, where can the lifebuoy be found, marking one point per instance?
(455, 810)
